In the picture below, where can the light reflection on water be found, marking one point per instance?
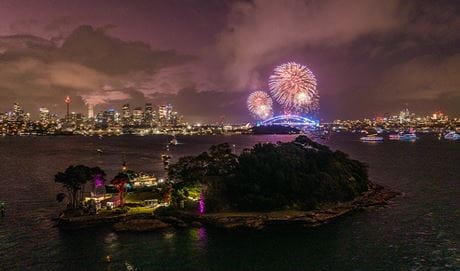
(418, 231)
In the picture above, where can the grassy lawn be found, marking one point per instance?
(139, 197)
(140, 210)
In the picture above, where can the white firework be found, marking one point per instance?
(260, 104)
(294, 87)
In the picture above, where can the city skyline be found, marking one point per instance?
(90, 112)
(370, 57)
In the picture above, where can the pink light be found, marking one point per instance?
(98, 181)
(202, 207)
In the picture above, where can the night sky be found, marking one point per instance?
(205, 57)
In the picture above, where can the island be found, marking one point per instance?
(299, 183)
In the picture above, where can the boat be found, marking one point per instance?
(394, 137)
(452, 136)
(408, 137)
(99, 150)
(173, 141)
(371, 138)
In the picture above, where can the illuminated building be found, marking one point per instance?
(165, 114)
(126, 114)
(149, 115)
(45, 116)
(17, 109)
(90, 111)
(137, 115)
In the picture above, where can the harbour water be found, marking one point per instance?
(417, 231)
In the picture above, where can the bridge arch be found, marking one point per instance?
(289, 120)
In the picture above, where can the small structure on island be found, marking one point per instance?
(98, 193)
(144, 180)
(112, 202)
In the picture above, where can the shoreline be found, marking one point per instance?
(377, 195)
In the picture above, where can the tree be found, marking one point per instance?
(73, 179)
(120, 181)
(205, 170)
(301, 174)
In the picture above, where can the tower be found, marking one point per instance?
(67, 101)
(90, 111)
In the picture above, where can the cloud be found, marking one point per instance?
(261, 31)
(175, 78)
(90, 64)
(423, 77)
(369, 55)
(105, 97)
(424, 84)
(207, 106)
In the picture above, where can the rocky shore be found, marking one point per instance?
(376, 196)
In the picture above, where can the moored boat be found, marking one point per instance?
(174, 142)
(408, 137)
(371, 138)
(452, 136)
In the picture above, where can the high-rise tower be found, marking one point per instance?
(90, 111)
(67, 101)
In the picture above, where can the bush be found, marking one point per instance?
(299, 174)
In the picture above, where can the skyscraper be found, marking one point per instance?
(164, 114)
(126, 114)
(45, 116)
(18, 113)
(137, 115)
(90, 111)
(148, 114)
(17, 109)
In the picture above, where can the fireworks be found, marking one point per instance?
(294, 87)
(260, 104)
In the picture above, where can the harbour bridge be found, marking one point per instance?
(289, 120)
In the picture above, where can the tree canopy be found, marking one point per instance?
(73, 179)
(296, 175)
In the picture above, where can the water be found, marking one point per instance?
(418, 231)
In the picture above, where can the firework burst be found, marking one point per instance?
(260, 104)
(294, 87)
